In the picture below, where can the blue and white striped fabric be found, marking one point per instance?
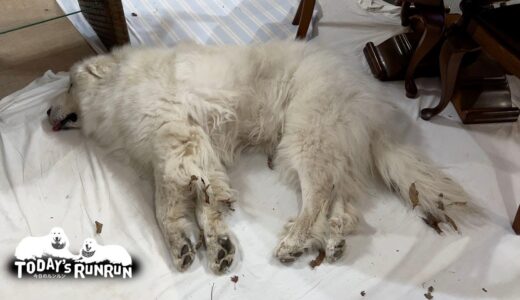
(168, 22)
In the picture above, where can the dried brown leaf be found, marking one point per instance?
(414, 195)
(270, 162)
(192, 179)
(451, 222)
(99, 227)
(429, 295)
(318, 260)
(433, 222)
(234, 279)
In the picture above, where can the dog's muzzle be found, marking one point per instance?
(86, 253)
(57, 245)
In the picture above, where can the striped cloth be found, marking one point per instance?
(168, 22)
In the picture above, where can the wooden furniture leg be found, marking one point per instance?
(307, 7)
(431, 36)
(297, 16)
(516, 222)
(452, 53)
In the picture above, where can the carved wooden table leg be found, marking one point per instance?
(432, 34)
(516, 222)
(452, 52)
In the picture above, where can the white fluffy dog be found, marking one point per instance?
(184, 114)
(91, 252)
(55, 244)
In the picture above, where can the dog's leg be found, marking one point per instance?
(213, 201)
(342, 220)
(194, 167)
(173, 206)
(316, 198)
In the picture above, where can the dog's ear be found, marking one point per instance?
(99, 66)
(98, 70)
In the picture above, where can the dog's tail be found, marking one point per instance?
(422, 186)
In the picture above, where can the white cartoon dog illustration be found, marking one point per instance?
(55, 244)
(91, 252)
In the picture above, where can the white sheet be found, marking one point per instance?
(60, 179)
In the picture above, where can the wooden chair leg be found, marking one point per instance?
(405, 13)
(449, 64)
(298, 14)
(516, 222)
(305, 18)
(431, 36)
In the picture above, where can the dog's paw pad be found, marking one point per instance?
(184, 254)
(223, 251)
(335, 250)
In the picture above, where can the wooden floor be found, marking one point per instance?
(26, 54)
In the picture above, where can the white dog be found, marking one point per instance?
(184, 114)
(54, 244)
(91, 252)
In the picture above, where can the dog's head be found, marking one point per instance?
(85, 78)
(63, 113)
(89, 247)
(58, 238)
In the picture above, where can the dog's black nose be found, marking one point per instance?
(72, 117)
(49, 112)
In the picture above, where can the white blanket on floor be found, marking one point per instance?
(61, 179)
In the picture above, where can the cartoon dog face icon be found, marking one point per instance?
(58, 238)
(92, 252)
(88, 249)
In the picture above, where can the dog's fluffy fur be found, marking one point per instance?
(184, 114)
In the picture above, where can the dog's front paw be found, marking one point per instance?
(221, 251)
(288, 250)
(182, 252)
(335, 249)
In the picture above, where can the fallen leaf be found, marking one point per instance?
(451, 222)
(99, 227)
(433, 222)
(414, 195)
(270, 162)
(234, 279)
(192, 179)
(429, 295)
(318, 260)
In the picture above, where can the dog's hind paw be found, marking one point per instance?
(183, 253)
(221, 252)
